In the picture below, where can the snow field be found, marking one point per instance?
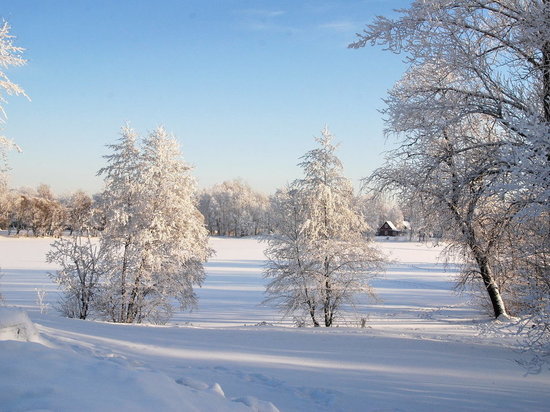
(421, 349)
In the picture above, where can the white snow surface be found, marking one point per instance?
(422, 348)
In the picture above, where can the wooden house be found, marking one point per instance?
(388, 229)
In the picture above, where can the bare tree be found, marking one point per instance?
(82, 267)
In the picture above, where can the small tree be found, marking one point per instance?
(82, 267)
(293, 287)
(318, 258)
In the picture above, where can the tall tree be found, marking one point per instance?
(121, 203)
(294, 287)
(175, 241)
(154, 238)
(318, 258)
(478, 64)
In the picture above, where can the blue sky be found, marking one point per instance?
(244, 85)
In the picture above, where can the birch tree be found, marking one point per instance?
(121, 203)
(293, 287)
(175, 240)
(475, 64)
(318, 258)
(234, 208)
(154, 237)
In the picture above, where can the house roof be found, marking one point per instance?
(390, 224)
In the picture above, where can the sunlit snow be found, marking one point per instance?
(421, 349)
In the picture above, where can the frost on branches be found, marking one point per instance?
(233, 208)
(318, 258)
(154, 239)
(82, 267)
(10, 55)
(481, 67)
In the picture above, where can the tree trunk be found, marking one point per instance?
(328, 298)
(123, 312)
(485, 271)
(312, 314)
(481, 258)
(546, 75)
(133, 306)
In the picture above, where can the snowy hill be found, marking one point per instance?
(421, 349)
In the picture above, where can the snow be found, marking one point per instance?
(391, 225)
(421, 349)
(16, 325)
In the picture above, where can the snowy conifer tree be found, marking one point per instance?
(318, 257)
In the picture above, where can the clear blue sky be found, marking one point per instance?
(244, 85)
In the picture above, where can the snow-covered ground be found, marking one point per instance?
(421, 350)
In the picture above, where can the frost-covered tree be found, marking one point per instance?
(294, 287)
(5, 203)
(175, 241)
(318, 258)
(79, 212)
(377, 209)
(154, 237)
(234, 208)
(82, 267)
(10, 55)
(475, 65)
(453, 185)
(121, 203)
(38, 211)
